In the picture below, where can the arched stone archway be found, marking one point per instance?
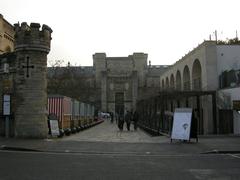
(178, 81)
(172, 85)
(167, 83)
(196, 75)
(186, 78)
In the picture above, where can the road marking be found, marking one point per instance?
(202, 174)
(235, 156)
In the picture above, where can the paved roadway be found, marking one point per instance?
(102, 152)
(108, 132)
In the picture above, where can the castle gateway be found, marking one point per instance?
(121, 81)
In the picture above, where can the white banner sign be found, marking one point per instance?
(6, 105)
(54, 127)
(182, 123)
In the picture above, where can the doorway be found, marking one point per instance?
(119, 103)
(225, 121)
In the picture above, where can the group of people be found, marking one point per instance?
(128, 118)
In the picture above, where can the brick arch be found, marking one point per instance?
(172, 82)
(196, 75)
(186, 78)
(178, 81)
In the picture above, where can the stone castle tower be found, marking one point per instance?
(30, 84)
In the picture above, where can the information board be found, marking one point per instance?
(182, 123)
(6, 105)
(54, 127)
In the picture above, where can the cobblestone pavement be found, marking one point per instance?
(109, 132)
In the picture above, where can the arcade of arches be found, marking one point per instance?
(188, 77)
(193, 82)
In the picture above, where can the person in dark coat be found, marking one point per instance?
(128, 118)
(111, 115)
(135, 119)
(120, 122)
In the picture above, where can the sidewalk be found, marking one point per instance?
(106, 138)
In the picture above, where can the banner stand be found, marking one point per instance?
(184, 125)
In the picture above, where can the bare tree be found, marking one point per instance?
(69, 81)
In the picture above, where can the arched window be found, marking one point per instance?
(172, 86)
(178, 81)
(186, 79)
(167, 83)
(196, 75)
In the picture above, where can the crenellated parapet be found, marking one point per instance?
(33, 37)
(32, 44)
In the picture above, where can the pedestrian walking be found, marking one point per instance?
(111, 116)
(135, 119)
(120, 122)
(127, 119)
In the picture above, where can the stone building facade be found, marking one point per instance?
(209, 67)
(122, 81)
(6, 36)
(114, 84)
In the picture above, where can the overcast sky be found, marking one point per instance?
(164, 29)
